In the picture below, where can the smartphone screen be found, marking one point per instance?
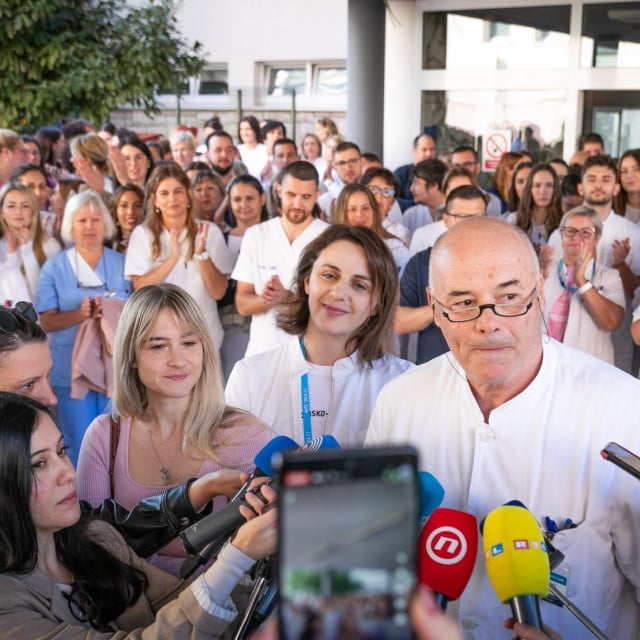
(623, 458)
(348, 531)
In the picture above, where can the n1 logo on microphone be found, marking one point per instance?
(446, 545)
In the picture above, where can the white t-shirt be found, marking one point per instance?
(266, 251)
(185, 273)
(255, 159)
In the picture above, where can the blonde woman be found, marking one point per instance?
(23, 243)
(90, 156)
(169, 403)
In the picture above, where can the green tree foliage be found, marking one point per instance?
(85, 57)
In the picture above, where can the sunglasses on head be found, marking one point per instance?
(11, 319)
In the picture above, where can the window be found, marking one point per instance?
(308, 79)
(214, 81)
(497, 38)
(610, 35)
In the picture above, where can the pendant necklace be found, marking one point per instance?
(165, 469)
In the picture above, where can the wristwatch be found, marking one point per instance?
(201, 256)
(585, 287)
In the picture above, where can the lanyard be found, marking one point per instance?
(565, 286)
(306, 404)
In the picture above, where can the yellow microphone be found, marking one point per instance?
(517, 562)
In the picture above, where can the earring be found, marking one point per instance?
(157, 211)
(188, 206)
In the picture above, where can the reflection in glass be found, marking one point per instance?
(610, 35)
(504, 38)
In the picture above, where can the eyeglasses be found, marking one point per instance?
(83, 609)
(503, 310)
(462, 216)
(344, 163)
(12, 319)
(571, 232)
(470, 164)
(386, 193)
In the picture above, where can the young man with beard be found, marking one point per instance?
(269, 255)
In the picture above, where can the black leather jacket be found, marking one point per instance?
(153, 522)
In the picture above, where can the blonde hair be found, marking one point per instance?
(79, 201)
(93, 148)
(8, 139)
(36, 232)
(207, 411)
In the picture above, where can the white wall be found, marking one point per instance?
(242, 32)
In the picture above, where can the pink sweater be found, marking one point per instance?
(238, 447)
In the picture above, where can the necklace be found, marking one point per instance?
(165, 470)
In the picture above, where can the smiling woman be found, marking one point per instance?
(169, 405)
(326, 379)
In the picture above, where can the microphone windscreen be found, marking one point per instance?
(513, 503)
(276, 445)
(321, 442)
(447, 550)
(431, 495)
(515, 553)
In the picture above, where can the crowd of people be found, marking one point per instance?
(175, 305)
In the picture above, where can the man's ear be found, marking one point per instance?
(430, 302)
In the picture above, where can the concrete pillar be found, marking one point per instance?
(365, 74)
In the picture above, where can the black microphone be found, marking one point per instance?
(221, 524)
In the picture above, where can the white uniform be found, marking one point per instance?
(25, 259)
(268, 385)
(426, 236)
(582, 332)
(615, 227)
(542, 447)
(266, 251)
(185, 273)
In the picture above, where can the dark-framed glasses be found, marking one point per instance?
(83, 609)
(386, 193)
(504, 310)
(463, 216)
(12, 319)
(571, 232)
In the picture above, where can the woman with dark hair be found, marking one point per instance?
(172, 245)
(627, 202)
(339, 355)
(357, 206)
(540, 208)
(127, 211)
(53, 146)
(63, 573)
(247, 202)
(131, 159)
(253, 152)
(502, 177)
(516, 189)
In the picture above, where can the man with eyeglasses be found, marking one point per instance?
(348, 166)
(619, 246)
(467, 157)
(509, 414)
(414, 313)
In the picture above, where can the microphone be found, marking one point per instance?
(517, 562)
(431, 495)
(447, 549)
(221, 524)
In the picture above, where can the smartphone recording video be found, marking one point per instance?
(348, 531)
